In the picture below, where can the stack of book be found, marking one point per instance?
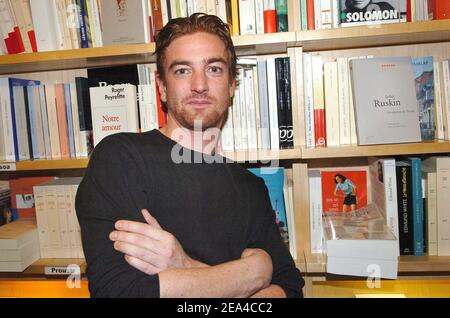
(360, 244)
(19, 245)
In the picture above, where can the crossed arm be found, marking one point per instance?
(150, 249)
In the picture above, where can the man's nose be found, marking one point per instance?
(199, 82)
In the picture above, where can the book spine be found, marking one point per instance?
(53, 221)
(304, 14)
(438, 113)
(315, 208)
(308, 100)
(417, 206)
(404, 192)
(75, 119)
(243, 111)
(270, 17)
(259, 14)
(273, 112)
(431, 212)
(235, 17)
(61, 210)
(281, 8)
(31, 118)
(83, 29)
(446, 95)
(53, 121)
(331, 103)
(288, 100)
(62, 121)
(319, 103)
(38, 120)
(263, 104)
(247, 19)
(42, 221)
(281, 102)
(70, 130)
(45, 122)
(344, 107)
(250, 108)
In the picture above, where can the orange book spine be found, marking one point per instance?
(310, 14)
(62, 121)
(270, 21)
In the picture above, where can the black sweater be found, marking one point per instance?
(214, 210)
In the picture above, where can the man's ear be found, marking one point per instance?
(161, 88)
(232, 88)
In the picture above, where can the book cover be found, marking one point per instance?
(424, 82)
(274, 181)
(385, 104)
(22, 197)
(343, 191)
(355, 13)
(404, 201)
(123, 22)
(114, 110)
(438, 9)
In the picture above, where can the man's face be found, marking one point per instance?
(197, 85)
(359, 4)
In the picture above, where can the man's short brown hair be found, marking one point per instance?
(197, 22)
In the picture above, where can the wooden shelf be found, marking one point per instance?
(129, 54)
(407, 264)
(37, 269)
(55, 164)
(378, 150)
(375, 35)
(264, 155)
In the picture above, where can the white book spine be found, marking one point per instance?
(353, 135)
(71, 227)
(257, 107)
(228, 133)
(344, 101)
(77, 224)
(145, 106)
(237, 119)
(45, 125)
(211, 7)
(438, 114)
(247, 19)
(251, 111)
(51, 204)
(63, 223)
(184, 8)
(154, 110)
(6, 117)
(431, 212)
(315, 210)
(243, 113)
(164, 12)
(446, 99)
(331, 103)
(317, 15)
(200, 6)
(52, 121)
(21, 123)
(326, 17)
(42, 222)
(390, 190)
(96, 24)
(273, 106)
(259, 15)
(443, 205)
(39, 122)
(308, 100)
(221, 10)
(335, 14)
(75, 119)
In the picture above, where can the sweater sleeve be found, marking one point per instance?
(266, 236)
(113, 189)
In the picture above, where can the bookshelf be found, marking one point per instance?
(390, 39)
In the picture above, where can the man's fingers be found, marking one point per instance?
(142, 266)
(150, 219)
(143, 254)
(140, 228)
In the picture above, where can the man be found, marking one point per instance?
(154, 228)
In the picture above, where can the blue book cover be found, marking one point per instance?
(416, 171)
(424, 82)
(69, 120)
(14, 82)
(33, 129)
(274, 181)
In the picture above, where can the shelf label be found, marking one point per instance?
(59, 270)
(10, 166)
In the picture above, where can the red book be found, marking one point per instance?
(408, 11)
(32, 37)
(62, 121)
(439, 9)
(22, 197)
(338, 187)
(320, 130)
(270, 21)
(157, 15)
(19, 39)
(310, 14)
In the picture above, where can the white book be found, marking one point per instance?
(290, 215)
(146, 107)
(51, 205)
(45, 126)
(385, 104)
(331, 103)
(251, 109)
(200, 6)
(114, 110)
(79, 244)
(315, 211)
(21, 11)
(221, 10)
(317, 15)
(273, 106)
(446, 97)
(431, 214)
(6, 118)
(364, 267)
(44, 24)
(247, 18)
(52, 121)
(19, 266)
(259, 16)
(42, 221)
(237, 126)
(441, 165)
(353, 134)
(211, 7)
(227, 132)
(96, 24)
(39, 128)
(75, 119)
(124, 26)
(183, 8)
(438, 102)
(263, 104)
(257, 107)
(384, 191)
(61, 207)
(344, 101)
(57, 27)
(243, 111)
(164, 12)
(17, 234)
(326, 17)
(21, 253)
(308, 100)
(335, 14)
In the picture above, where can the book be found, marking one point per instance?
(438, 9)
(113, 110)
(355, 13)
(274, 181)
(364, 236)
(424, 82)
(343, 191)
(404, 201)
(385, 104)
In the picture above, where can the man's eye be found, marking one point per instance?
(215, 69)
(181, 71)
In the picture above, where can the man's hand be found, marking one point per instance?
(149, 248)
